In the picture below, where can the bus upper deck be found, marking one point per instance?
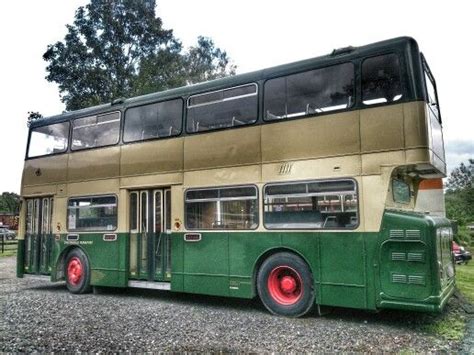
(373, 100)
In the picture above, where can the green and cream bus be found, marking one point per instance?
(296, 184)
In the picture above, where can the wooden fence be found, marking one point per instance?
(8, 246)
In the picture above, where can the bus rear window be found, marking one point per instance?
(310, 92)
(431, 91)
(95, 131)
(381, 82)
(92, 213)
(237, 106)
(311, 205)
(47, 140)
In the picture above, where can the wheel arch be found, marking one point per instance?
(61, 260)
(272, 251)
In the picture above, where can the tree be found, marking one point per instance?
(120, 49)
(9, 202)
(33, 116)
(461, 177)
(460, 193)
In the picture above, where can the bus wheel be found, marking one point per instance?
(285, 285)
(78, 273)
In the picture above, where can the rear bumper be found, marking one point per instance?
(433, 304)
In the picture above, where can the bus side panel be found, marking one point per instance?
(245, 250)
(343, 270)
(206, 264)
(108, 259)
(177, 262)
(20, 258)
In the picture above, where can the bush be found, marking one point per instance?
(463, 236)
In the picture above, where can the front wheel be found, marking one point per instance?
(285, 285)
(78, 273)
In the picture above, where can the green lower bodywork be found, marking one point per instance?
(397, 267)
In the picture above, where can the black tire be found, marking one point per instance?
(292, 297)
(77, 280)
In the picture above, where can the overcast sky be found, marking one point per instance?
(256, 34)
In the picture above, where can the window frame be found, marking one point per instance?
(183, 109)
(355, 90)
(426, 72)
(92, 230)
(68, 142)
(119, 138)
(319, 230)
(257, 94)
(257, 198)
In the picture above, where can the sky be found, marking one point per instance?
(256, 35)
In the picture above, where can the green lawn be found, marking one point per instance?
(10, 248)
(465, 280)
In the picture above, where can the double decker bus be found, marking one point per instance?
(296, 184)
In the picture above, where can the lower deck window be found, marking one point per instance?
(92, 213)
(311, 205)
(222, 208)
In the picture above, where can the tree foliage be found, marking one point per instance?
(33, 116)
(119, 49)
(9, 202)
(461, 177)
(460, 193)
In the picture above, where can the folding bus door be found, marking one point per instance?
(149, 237)
(38, 238)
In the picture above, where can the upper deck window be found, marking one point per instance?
(381, 82)
(311, 92)
(95, 131)
(49, 139)
(158, 120)
(231, 107)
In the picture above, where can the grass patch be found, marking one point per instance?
(10, 252)
(465, 280)
(451, 327)
(452, 324)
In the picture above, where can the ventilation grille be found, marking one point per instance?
(413, 234)
(401, 234)
(396, 233)
(409, 279)
(398, 256)
(415, 257)
(399, 279)
(416, 280)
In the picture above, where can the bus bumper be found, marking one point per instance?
(433, 304)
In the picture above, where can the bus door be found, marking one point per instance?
(38, 238)
(150, 235)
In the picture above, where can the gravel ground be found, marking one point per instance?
(37, 316)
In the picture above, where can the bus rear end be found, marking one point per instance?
(416, 264)
(416, 261)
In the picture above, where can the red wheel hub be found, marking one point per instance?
(285, 285)
(74, 271)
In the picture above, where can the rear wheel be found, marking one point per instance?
(285, 285)
(77, 272)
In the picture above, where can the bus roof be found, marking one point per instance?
(338, 55)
